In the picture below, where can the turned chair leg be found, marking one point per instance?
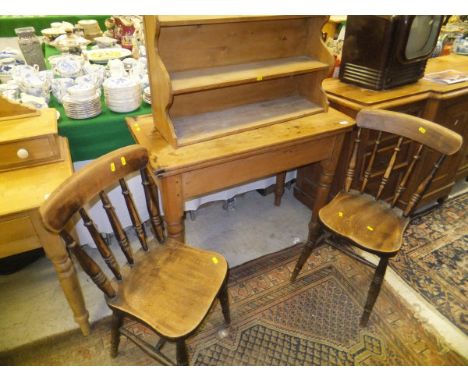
(374, 290)
(117, 320)
(316, 236)
(182, 355)
(224, 300)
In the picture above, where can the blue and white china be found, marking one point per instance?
(105, 42)
(116, 68)
(31, 100)
(60, 86)
(82, 91)
(147, 95)
(84, 108)
(67, 67)
(122, 94)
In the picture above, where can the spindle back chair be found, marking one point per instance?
(367, 221)
(168, 287)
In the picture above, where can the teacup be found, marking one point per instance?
(37, 102)
(60, 86)
(67, 67)
(116, 68)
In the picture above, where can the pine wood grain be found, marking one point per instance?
(201, 127)
(16, 190)
(370, 224)
(170, 160)
(171, 288)
(207, 78)
(12, 111)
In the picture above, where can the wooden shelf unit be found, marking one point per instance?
(212, 76)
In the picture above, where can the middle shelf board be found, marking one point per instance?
(201, 127)
(209, 78)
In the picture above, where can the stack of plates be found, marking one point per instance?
(147, 95)
(82, 108)
(123, 94)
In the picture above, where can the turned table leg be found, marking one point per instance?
(173, 205)
(279, 187)
(322, 193)
(55, 251)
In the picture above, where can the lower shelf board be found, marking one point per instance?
(205, 126)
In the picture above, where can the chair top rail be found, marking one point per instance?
(417, 129)
(86, 183)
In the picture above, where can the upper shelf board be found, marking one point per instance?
(208, 78)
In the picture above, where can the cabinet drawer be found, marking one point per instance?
(17, 235)
(38, 150)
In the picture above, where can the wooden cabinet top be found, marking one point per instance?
(205, 19)
(23, 128)
(165, 158)
(357, 98)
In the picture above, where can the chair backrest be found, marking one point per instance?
(425, 133)
(83, 186)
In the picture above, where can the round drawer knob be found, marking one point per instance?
(22, 153)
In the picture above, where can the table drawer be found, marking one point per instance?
(31, 152)
(17, 235)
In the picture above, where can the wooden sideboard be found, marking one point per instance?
(444, 104)
(34, 161)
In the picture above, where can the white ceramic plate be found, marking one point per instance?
(101, 56)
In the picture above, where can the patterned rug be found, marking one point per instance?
(313, 321)
(433, 259)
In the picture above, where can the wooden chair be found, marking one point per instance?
(367, 221)
(168, 287)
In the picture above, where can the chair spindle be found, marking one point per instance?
(88, 265)
(423, 186)
(352, 163)
(389, 169)
(101, 245)
(134, 216)
(152, 204)
(117, 227)
(371, 163)
(402, 186)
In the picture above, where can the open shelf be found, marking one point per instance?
(214, 77)
(200, 127)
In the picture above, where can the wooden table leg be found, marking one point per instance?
(279, 187)
(322, 193)
(57, 254)
(327, 173)
(173, 205)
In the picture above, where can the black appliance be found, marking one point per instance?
(382, 52)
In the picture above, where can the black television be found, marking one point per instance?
(382, 52)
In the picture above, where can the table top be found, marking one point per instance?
(167, 160)
(26, 189)
(23, 128)
(342, 92)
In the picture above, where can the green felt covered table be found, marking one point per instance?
(9, 23)
(91, 138)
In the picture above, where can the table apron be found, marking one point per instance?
(214, 178)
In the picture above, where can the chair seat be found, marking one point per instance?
(371, 224)
(171, 288)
